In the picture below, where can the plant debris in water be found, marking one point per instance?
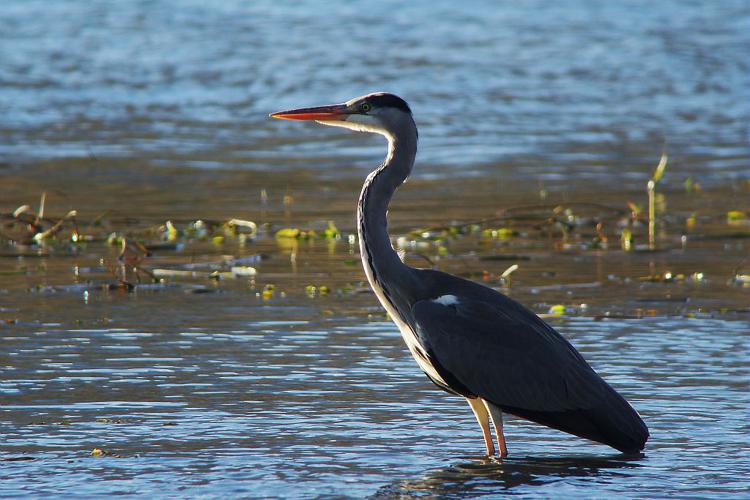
(201, 255)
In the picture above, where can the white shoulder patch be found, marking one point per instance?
(446, 300)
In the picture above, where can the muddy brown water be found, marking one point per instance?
(292, 382)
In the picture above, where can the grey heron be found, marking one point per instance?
(469, 339)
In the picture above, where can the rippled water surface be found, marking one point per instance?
(546, 90)
(268, 400)
(538, 120)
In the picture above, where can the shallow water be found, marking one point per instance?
(530, 116)
(267, 400)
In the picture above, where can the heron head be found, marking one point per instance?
(379, 113)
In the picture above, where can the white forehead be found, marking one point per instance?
(356, 99)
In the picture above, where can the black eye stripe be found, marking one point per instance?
(388, 101)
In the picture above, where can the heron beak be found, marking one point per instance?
(336, 112)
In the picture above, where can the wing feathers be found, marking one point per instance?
(495, 348)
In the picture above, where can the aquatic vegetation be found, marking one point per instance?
(651, 189)
(313, 291)
(670, 277)
(626, 239)
(691, 186)
(99, 453)
(289, 232)
(239, 226)
(557, 310)
(737, 218)
(330, 233)
(741, 280)
(200, 255)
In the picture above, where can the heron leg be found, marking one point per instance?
(480, 411)
(497, 421)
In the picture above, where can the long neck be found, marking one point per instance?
(381, 262)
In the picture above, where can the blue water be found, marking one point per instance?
(540, 90)
(311, 404)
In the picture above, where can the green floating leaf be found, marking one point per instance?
(332, 232)
(557, 310)
(736, 216)
(500, 233)
(312, 291)
(288, 232)
(268, 291)
(295, 233)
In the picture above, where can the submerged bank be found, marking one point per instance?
(580, 246)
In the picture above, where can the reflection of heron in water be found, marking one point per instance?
(488, 476)
(469, 339)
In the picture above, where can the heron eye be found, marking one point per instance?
(365, 107)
